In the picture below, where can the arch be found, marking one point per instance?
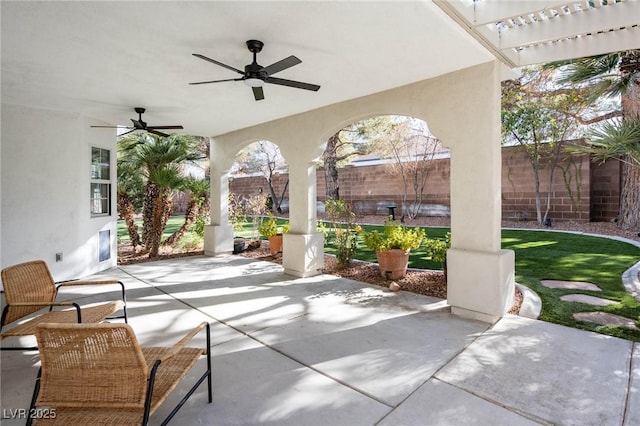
(463, 110)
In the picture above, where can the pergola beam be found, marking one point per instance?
(529, 32)
(561, 27)
(491, 11)
(580, 47)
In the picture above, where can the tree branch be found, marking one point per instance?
(607, 116)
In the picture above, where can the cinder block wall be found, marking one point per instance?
(605, 191)
(570, 191)
(594, 194)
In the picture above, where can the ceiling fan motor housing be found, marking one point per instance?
(255, 46)
(255, 71)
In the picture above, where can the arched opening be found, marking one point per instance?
(258, 196)
(384, 161)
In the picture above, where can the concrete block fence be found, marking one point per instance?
(593, 195)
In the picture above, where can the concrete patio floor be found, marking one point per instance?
(330, 351)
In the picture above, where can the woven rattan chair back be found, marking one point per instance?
(91, 366)
(27, 282)
(98, 374)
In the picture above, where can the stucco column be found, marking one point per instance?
(302, 250)
(480, 275)
(218, 236)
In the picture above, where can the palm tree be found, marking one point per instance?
(165, 180)
(160, 159)
(612, 75)
(199, 189)
(130, 185)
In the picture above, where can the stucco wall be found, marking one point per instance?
(371, 188)
(45, 177)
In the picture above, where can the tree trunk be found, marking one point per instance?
(630, 191)
(536, 179)
(189, 218)
(161, 213)
(127, 212)
(150, 196)
(281, 199)
(629, 195)
(331, 168)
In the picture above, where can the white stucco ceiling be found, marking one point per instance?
(102, 59)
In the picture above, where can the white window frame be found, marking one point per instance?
(100, 201)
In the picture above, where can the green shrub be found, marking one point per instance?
(394, 236)
(269, 227)
(436, 249)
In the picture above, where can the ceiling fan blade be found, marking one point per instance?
(112, 127)
(155, 132)
(197, 55)
(126, 133)
(258, 93)
(291, 83)
(217, 81)
(164, 127)
(282, 65)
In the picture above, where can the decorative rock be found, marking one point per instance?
(574, 285)
(604, 318)
(394, 286)
(589, 300)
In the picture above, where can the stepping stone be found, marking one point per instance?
(604, 318)
(590, 300)
(573, 285)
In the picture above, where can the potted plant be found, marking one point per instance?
(269, 229)
(392, 247)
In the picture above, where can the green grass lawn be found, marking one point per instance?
(571, 257)
(173, 224)
(561, 256)
(539, 255)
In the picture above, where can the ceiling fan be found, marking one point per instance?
(255, 75)
(141, 125)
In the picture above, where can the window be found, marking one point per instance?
(100, 197)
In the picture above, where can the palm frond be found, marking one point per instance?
(167, 177)
(587, 69)
(615, 138)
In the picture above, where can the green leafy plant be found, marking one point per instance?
(202, 220)
(436, 249)
(341, 231)
(269, 227)
(394, 236)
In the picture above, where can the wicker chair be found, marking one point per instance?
(29, 288)
(98, 374)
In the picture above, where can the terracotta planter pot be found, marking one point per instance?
(275, 244)
(393, 263)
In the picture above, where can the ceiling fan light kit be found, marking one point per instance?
(254, 82)
(255, 75)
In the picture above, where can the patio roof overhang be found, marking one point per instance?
(101, 59)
